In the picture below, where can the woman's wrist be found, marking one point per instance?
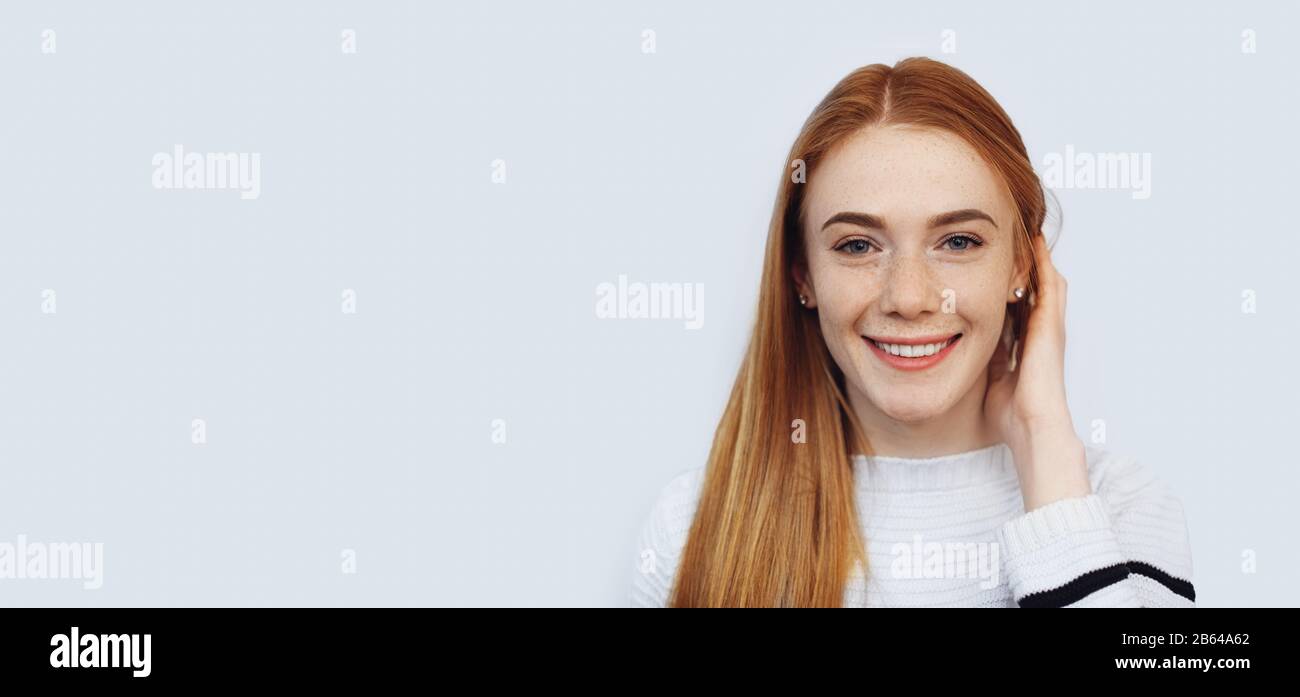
(1052, 466)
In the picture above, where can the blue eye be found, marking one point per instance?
(967, 242)
(855, 247)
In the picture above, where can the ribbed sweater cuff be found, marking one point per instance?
(1066, 553)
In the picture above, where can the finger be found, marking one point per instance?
(1043, 255)
(1051, 284)
(1058, 283)
(1049, 305)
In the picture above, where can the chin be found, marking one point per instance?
(910, 410)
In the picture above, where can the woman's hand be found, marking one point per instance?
(1026, 406)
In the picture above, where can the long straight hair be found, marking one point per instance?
(776, 524)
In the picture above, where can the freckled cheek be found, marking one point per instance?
(843, 295)
(976, 301)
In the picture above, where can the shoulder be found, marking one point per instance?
(662, 535)
(1120, 479)
(666, 525)
(1148, 516)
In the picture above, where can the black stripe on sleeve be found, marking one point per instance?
(1078, 589)
(1173, 583)
(1097, 579)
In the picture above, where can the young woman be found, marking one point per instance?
(898, 434)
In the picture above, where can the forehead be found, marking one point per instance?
(904, 174)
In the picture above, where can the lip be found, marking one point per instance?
(933, 339)
(902, 363)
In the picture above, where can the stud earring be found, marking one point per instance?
(802, 300)
(1020, 293)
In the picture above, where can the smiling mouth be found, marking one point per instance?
(914, 350)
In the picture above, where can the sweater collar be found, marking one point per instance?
(953, 471)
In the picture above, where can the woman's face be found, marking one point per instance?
(909, 235)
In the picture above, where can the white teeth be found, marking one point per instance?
(911, 351)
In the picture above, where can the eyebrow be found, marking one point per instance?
(874, 222)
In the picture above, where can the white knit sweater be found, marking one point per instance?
(952, 531)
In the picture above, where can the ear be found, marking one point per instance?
(803, 283)
(1020, 279)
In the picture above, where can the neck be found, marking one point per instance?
(960, 429)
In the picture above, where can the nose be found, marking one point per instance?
(910, 288)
